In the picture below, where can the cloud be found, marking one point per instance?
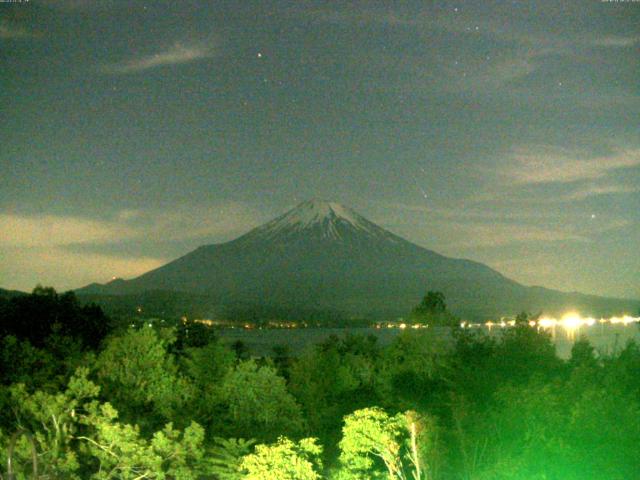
(180, 223)
(80, 5)
(58, 267)
(496, 234)
(176, 54)
(453, 229)
(71, 251)
(10, 31)
(52, 230)
(460, 228)
(487, 77)
(595, 190)
(518, 47)
(450, 20)
(545, 164)
(616, 41)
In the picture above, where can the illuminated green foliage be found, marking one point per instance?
(410, 370)
(284, 460)
(334, 379)
(226, 456)
(371, 436)
(138, 374)
(205, 368)
(53, 420)
(480, 408)
(257, 403)
(377, 445)
(77, 437)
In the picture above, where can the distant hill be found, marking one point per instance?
(10, 293)
(323, 256)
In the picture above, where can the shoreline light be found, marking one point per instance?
(570, 322)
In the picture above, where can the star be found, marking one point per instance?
(259, 54)
(593, 215)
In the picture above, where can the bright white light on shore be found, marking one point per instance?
(625, 320)
(546, 322)
(571, 320)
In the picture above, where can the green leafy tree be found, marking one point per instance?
(524, 352)
(400, 447)
(52, 419)
(77, 437)
(35, 317)
(410, 370)
(206, 367)
(284, 460)
(123, 454)
(604, 433)
(138, 374)
(433, 302)
(193, 334)
(561, 429)
(21, 362)
(258, 404)
(583, 355)
(433, 310)
(226, 456)
(335, 378)
(371, 437)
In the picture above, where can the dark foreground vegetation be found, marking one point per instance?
(82, 398)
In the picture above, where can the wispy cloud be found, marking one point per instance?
(451, 20)
(53, 230)
(616, 41)
(470, 235)
(70, 251)
(82, 5)
(596, 190)
(545, 164)
(212, 221)
(65, 269)
(453, 230)
(11, 31)
(520, 48)
(176, 54)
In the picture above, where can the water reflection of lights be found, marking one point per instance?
(570, 322)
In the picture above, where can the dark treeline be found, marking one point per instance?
(95, 399)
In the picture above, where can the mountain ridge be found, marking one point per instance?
(324, 255)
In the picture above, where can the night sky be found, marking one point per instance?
(132, 132)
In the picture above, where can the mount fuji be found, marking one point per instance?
(325, 256)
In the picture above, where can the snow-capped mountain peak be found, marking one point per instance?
(324, 216)
(316, 211)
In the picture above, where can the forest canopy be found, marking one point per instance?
(83, 398)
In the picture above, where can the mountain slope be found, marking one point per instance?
(326, 256)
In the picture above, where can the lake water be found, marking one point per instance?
(606, 338)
